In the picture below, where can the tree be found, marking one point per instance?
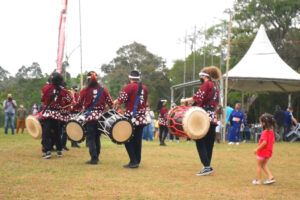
(136, 56)
(32, 72)
(3, 74)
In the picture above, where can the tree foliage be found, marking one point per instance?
(136, 56)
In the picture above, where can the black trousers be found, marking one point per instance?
(163, 133)
(134, 146)
(172, 137)
(64, 135)
(93, 139)
(51, 134)
(205, 146)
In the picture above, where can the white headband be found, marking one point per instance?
(203, 74)
(164, 100)
(134, 77)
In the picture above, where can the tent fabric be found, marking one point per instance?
(262, 69)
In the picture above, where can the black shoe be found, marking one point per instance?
(47, 155)
(130, 165)
(92, 162)
(205, 171)
(59, 154)
(65, 148)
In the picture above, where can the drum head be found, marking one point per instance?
(122, 131)
(75, 131)
(34, 127)
(196, 123)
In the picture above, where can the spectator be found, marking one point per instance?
(35, 109)
(147, 130)
(21, 115)
(246, 130)
(9, 106)
(279, 117)
(219, 124)
(288, 122)
(236, 120)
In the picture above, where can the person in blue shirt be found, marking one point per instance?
(236, 120)
(288, 122)
(9, 106)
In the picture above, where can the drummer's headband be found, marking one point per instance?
(134, 77)
(93, 76)
(203, 74)
(163, 100)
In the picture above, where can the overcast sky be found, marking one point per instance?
(29, 29)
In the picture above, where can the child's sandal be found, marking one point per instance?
(268, 182)
(256, 182)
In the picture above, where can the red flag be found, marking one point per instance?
(61, 37)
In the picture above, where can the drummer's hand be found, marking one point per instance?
(115, 102)
(182, 102)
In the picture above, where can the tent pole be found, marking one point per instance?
(226, 79)
(290, 100)
(243, 103)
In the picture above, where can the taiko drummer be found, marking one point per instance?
(134, 96)
(93, 99)
(207, 97)
(54, 97)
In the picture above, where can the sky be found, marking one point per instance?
(29, 29)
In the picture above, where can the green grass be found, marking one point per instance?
(165, 172)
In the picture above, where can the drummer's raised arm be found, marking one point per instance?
(187, 100)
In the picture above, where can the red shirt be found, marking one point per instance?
(54, 109)
(269, 137)
(208, 92)
(86, 98)
(163, 117)
(128, 97)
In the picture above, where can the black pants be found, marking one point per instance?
(64, 135)
(93, 139)
(205, 146)
(134, 146)
(51, 135)
(287, 129)
(163, 132)
(172, 137)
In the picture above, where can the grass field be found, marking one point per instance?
(165, 172)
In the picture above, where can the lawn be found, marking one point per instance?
(165, 172)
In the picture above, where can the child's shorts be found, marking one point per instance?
(262, 158)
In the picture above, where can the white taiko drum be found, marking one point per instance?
(196, 122)
(116, 127)
(34, 125)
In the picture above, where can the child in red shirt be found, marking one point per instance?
(265, 148)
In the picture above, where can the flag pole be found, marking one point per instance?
(81, 76)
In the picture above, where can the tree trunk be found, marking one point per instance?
(249, 102)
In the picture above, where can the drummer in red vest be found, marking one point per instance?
(162, 121)
(134, 96)
(93, 99)
(54, 98)
(207, 98)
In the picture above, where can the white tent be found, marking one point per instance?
(261, 69)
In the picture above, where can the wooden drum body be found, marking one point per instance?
(116, 126)
(191, 122)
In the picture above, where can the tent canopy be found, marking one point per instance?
(261, 69)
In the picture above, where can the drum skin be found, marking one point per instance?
(196, 122)
(191, 122)
(75, 131)
(33, 125)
